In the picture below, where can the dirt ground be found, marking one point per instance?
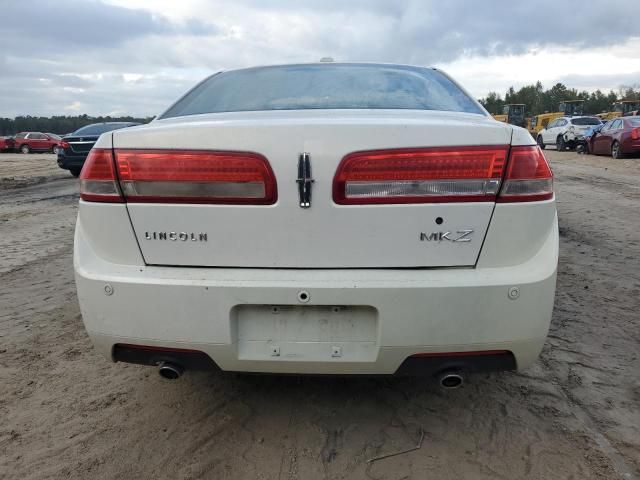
(66, 412)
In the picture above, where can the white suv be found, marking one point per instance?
(564, 132)
(324, 219)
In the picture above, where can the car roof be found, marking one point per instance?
(328, 64)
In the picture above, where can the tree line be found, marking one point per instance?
(538, 100)
(58, 124)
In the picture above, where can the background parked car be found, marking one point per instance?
(27, 142)
(564, 132)
(617, 138)
(75, 147)
(7, 144)
(57, 137)
(584, 145)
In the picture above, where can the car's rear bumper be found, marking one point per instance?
(430, 364)
(393, 314)
(573, 137)
(630, 146)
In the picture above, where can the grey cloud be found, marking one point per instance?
(68, 80)
(85, 24)
(109, 94)
(429, 31)
(579, 81)
(48, 47)
(82, 24)
(44, 59)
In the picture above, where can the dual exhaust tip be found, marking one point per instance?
(450, 379)
(447, 380)
(170, 371)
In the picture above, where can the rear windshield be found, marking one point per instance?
(326, 86)
(586, 121)
(99, 128)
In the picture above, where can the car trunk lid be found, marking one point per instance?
(326, 234)
(81, 144)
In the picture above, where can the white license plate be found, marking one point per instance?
(288, 332)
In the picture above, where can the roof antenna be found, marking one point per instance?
(326, 60)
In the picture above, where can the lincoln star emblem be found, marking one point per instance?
(304, 180)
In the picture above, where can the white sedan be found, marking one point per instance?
(565, 132)
(319, 219)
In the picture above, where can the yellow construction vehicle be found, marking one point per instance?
(538, 122)
(568, 108)
(622, 108)
(512, 113)
(571, 108)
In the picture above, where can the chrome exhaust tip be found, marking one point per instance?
(450, 380)
(170, 371)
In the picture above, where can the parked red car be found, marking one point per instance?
(619, 137)
(36, 142)
(6, 144)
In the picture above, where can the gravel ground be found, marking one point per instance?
(68, 413)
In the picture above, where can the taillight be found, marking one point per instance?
(189, 176)
(635, 133)
(64, 144)
(98, 182)
(436, 175)
(425, 175)
(528, 177)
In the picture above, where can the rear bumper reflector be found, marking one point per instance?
(461, 354)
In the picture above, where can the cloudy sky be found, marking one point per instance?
(135, 57)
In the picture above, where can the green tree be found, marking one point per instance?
(58, 124)
(493, 103)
